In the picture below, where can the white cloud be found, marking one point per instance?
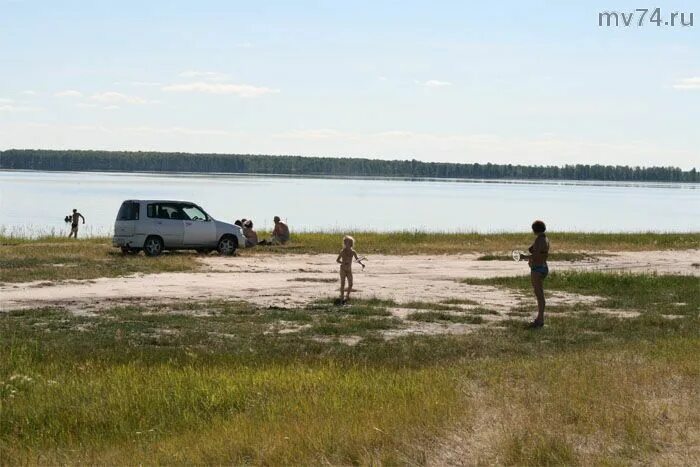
(434, 83)
(69, 93)
(4, 100)
(112, 98)
(241, 90)
(145, 83)
(205, 75)
(688, 84)
(313, 134)
(178, 130)
(17, 108)
(148, 130)
(29, 92)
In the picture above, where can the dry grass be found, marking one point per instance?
(62, 259)
(635, 404)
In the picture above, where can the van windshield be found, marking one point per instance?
(129, 211)
(194, 213)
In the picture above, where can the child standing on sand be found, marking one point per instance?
(345, 259)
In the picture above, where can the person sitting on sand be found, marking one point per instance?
(345, 259)
(251, 236)
(75, 217)
(280, 234)
(537, 260)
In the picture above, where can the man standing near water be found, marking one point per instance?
(74, 223)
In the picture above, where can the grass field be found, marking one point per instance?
(227, 382)
(58, 258)
(50, 259)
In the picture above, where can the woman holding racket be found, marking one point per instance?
(537, 260)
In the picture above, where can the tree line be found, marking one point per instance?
(124, 161)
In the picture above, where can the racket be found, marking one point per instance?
(517, 254)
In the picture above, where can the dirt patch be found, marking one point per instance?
(347, 340)
(296, 280)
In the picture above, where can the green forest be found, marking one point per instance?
(122, 161)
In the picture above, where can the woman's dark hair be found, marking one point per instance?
(238, 223)
(538, 227)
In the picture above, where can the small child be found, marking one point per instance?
(345, 258)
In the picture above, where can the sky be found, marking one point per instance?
(531, 82)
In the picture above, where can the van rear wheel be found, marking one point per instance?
(227, 245)
(153, 246)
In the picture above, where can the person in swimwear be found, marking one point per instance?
(75, 217)
(251, 236)
(345, 259)
(280, 234)
(537, 260)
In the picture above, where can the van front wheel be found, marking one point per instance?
(227, 245)
(153, 246)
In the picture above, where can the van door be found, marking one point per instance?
(200, 229)
(166, 220)
(127, 217)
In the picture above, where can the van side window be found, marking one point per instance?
(164, 211)
(129, 211)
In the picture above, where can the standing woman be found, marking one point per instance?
(537, 260)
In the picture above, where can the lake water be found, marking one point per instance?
(32, 202)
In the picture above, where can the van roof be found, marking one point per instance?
(157, 201)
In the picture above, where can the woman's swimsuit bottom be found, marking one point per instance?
(542, 269)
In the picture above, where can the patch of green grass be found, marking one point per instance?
(482, 311)
(427, 306)
(437, 316)
(645, 292)
(421, 242)
(352, 326)
(458, 301)
(564, 308)
(288, 315)
(565, 256)
(55, 259)
(416, 242)
(198, 413)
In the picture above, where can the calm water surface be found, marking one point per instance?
(38, 201)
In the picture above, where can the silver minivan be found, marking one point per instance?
(157, 225)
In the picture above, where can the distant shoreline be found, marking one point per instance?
(326, 167)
